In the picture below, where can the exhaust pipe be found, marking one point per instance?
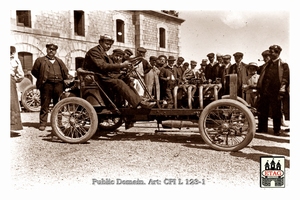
(178, 124)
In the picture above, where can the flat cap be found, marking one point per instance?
(118, 51)
(186, 64)
(180, 59)
(252, 64)
(128, 52)
(276, 48)
(238, 54)
(152, 58)
(141, 49)
(219, 55)
(226, 56)
(204, 62)
(106, 37)
(52, 46)
(193, 62)
(210, 55)
(265, 53)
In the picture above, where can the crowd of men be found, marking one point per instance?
(263, 87)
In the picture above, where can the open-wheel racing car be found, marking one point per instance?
(225, 124)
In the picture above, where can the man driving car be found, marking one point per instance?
(97, 60)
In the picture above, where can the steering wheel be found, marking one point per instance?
(135, 60)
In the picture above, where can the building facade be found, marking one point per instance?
(76, 31)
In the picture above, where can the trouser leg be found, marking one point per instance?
(263, 110)
(124, 90)
(46, 96)
(275, 104)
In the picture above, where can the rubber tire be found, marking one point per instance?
(228, 102)
(238, 98)
(24, 99)
(92, 115)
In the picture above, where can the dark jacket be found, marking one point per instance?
(96, 60)
(40, 70)
(283, 72)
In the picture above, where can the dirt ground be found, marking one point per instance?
(137, 154)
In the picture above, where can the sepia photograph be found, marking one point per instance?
(133, 101)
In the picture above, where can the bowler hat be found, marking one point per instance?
(152, 58)
(141, 49)
(276, 48)
(238, 54)
(210, 55)
(128, 52)
(162, 56)
(118, 51)
(171, 58)
(52, 45)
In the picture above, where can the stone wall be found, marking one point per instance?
(141, 29)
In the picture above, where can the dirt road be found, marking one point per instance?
(137, 155)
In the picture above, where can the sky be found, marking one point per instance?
(229, 31)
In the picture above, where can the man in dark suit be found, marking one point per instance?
(273, 85)
(209, 67)
(50, 72)
(239, 68)
(97, 60)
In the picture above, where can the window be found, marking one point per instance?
(79, 23)
(78, 62)
(26, 61)
(162, 38)
(24, 18)
(120, 30)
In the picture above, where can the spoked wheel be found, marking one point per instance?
(74, 120)
(31, 99)
(227, 125)
(110, 123)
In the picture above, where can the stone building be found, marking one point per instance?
(76, 31)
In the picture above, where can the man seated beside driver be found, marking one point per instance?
(97, 60)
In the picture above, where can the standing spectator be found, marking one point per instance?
(250, 87)
(225, 72)
(16, 75)
(152, 78)
(203, 68)
(167, 76)
(209, 68)
(188, 76)
(273, 84)
(161, 62)
(239, 68)
(50, 72)
(217, 68)
(266, 57)
(179, 69)
(142, 69)
(127, 54)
